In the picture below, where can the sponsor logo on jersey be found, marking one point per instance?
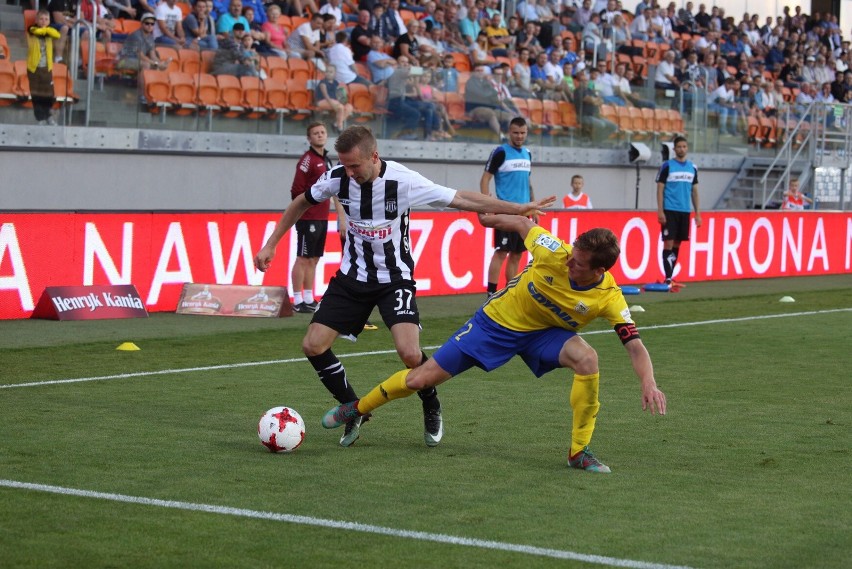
(551, 306)
(370, 232)
(548, 242)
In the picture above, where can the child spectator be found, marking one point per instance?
(40, 38)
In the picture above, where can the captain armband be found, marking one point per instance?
(626, 332)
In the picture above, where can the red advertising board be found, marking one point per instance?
(159, 252)
(96, 302)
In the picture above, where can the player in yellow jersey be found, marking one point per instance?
(537, 317)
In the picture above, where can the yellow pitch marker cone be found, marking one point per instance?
(128, 347)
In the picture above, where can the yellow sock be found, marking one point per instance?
(584, 402)
(392, 388)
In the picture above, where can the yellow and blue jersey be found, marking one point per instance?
(542, 296)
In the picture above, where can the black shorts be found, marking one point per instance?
(508, 241)
(676, 227)
(310, 237)
(347, 304)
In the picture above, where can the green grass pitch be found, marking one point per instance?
(160, 466)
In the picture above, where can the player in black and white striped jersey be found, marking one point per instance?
(377, 269)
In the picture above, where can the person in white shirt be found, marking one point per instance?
(340, 56)
(168, 30)
(721, 101)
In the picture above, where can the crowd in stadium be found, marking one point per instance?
(591, 54)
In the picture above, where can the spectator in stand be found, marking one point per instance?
(588, 105)
(791, 73)
(500, 43)
(582, 16)
(381, 65)
(665, 77)
(702, 19)
(230, 58)
(303, 42)
(446, 78)
(426, 93)
(409, 44)
(523, 79)
(40, 38)
(721, 102)
(593, 40)
(765, 102)
(330, 95)
(334, 8)
(577, 199)
(226, 21)
(169, 30)
(626, 90)
(775, 56)
(276, 33)
(312, 227)
(340, 56)
(61, 20)
(121, 9)
(400, 105)
(199, 28)
(483, 103)
(470, 28)
(527, 39)
(546, 85)
(686, 20)
(806, 96)
(327, 31)
(360, 36)
(138, 51)
(380, 25)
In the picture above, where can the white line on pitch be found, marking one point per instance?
(337, 524)
(381, 352)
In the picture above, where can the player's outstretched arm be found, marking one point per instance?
(509, 223)
(292, 214)
(653, 399)
(481, 203)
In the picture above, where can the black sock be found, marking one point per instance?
(668, 262)
(428, 395)
(492, 288)
(333, 376)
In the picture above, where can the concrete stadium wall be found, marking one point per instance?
(90, 169)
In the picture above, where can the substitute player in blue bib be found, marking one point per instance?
(677, 186)
(510, 165)
(537, 317)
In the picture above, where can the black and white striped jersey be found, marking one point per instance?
(377, 248)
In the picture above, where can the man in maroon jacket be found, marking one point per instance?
(312, 227)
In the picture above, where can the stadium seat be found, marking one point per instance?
(277, 100)
(183, 92)
(4, 48)
(190, 61)
(22, 83)
(207, 57)
(155, 85)
(230, 95)
(300, 69)
(63, 85)
(456, 109)
(8, 83)
(300, 99)
(254, 97)
(276, 68)
(207, 95)
(461, 61)
(165, 53)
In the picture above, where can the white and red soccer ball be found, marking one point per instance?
(281, 429)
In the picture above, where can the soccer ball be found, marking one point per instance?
(281, 429)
